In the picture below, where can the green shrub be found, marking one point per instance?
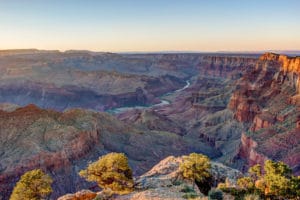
(187, 189)
(111, 172)
(245, 183)
(33, 185)
(189, 192)
(190, 196)
(195, 167)
(277, 178)
(215, 194)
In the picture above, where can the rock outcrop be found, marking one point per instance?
(248, 150)
(160, 182)
(163, 181)
(262, 121)
(80, 195)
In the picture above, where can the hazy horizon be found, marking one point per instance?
(163, 51)
(156, 26)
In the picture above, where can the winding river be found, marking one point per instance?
(162, 102)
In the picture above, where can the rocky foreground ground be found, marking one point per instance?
(163, 182)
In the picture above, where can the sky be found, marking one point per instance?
(150, 25)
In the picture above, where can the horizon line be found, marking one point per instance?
(157, 51)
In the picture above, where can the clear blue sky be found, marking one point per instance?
(152, 25)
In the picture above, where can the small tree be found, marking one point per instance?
(111, 172)
(195, 167)
(277, 178)
(277, 182)
(255, 172)
(246, 183)
(33, 185)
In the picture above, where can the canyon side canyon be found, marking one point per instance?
(238, 109)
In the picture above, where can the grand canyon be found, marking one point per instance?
(61, 110)
(149, 100)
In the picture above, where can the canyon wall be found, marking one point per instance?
(267, 100)
(289, 68)
(225, 66)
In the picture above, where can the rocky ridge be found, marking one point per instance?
(62, 143)
(163, 181)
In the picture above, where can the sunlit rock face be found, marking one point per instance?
(267, 99)
(289, 68)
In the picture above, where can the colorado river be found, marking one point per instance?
(162, 102)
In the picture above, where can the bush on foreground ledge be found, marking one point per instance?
(274, 181)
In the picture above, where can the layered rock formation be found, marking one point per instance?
(289, 68)
(225, 66)
(63, 143)
(238, 110)
(101, 81)
(267, 100)
(243, 118)
(248, 150)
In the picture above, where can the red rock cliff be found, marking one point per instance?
(267, 101)
(225, 66)
(248, 151)
(273, 75)
(290, 66)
